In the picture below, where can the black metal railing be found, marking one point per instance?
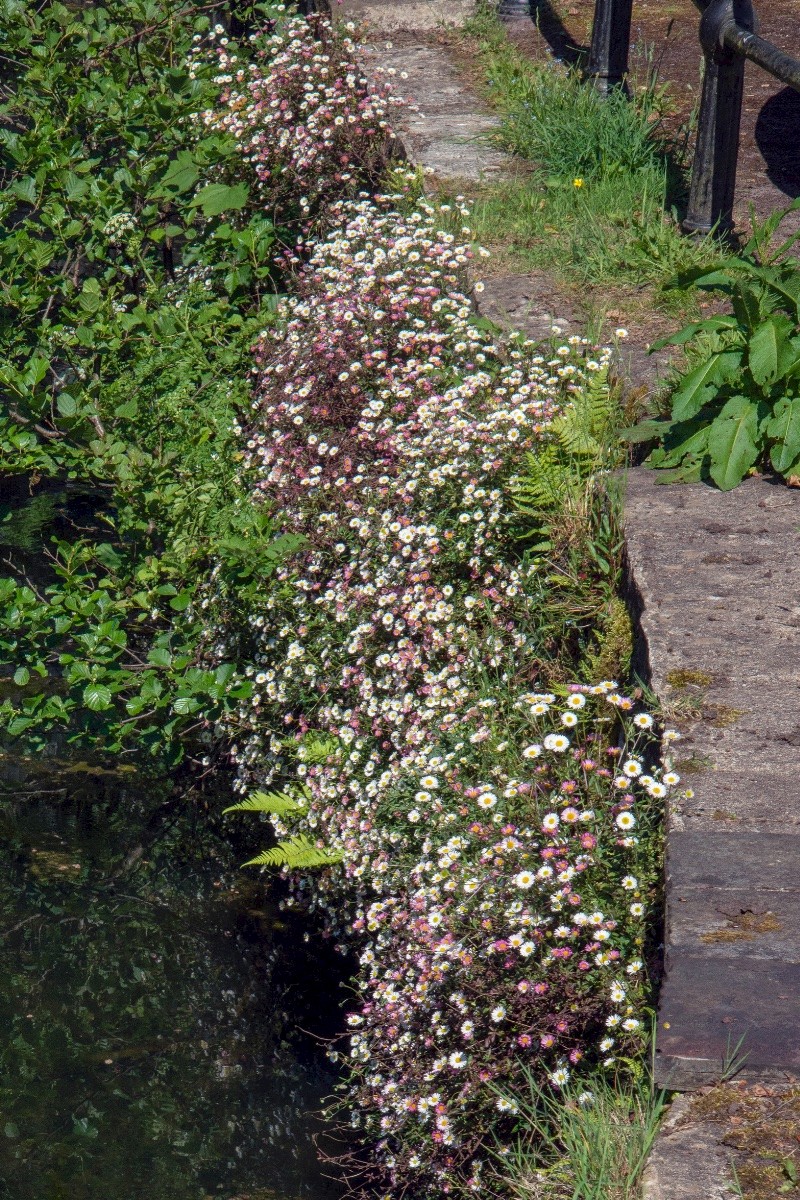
(728, 37)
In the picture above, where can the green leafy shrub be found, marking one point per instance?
(737, 407)
(136, 275)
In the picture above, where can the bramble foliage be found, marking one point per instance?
(128, 307)
(738, 406)
(139, 266)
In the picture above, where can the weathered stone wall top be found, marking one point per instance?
(386, 16)
(716, 579)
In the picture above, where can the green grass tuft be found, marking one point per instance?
(601, 199)
(583, 1143)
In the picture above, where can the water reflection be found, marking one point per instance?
(150, 1001)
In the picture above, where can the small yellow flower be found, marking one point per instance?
(577, 183)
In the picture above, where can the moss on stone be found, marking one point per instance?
(761, 1127)
(611, 658)
(689, 677)
(722, 717)
(694, 764)
(743, 927)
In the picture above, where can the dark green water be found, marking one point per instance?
(151, 1008)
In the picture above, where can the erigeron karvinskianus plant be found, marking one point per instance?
(491, 879)
(311, 124)
(737, 408)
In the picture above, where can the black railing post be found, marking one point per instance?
(714, 167)
(611, 36)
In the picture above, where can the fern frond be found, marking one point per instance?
(276, 803)
(319, 749)
(555, 475)
(297, 852)
(546, 481)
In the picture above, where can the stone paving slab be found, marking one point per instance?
(721, 861)
(715, 580)
(447, 136)
(687, 1161)
(744, 919)
(389, 16)
(709, 1003)
(759, 801)
(525, 304)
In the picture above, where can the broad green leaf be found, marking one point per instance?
(785, 284)
(91, 297)
(732, 443)
(159, 657)
(75, 187)
(683, 440)
(784, 428)
(129, 409)
(184, 705)
(770, 352)
(218, 198)
(22, 676)
(97, 697)
(645, 431)
(25, 189)
(711, 325)
(748, 304)
(704, 382)
(689, 474)
(67, 405)
(181, 174)
(19, 725)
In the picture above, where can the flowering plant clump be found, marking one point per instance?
(304, 114)
(492, 874)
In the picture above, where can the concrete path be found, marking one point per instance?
(389, 16)
(447, 135)
(716, 578)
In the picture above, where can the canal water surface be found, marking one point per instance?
(160, 1018)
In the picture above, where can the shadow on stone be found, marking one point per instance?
(640, 659)
(778, 139)
(555, 33)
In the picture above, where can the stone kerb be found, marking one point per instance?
(716, 578)
(385, 16)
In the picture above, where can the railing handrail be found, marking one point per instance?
(750, 44)
(728, 36)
